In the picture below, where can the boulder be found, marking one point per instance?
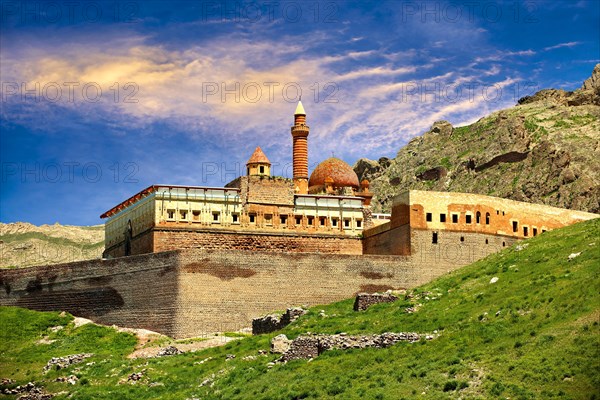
(280, 344)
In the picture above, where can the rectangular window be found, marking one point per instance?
(434, 238)
(262, 169)
(216, 216)
(298, 220)
(322, 221)
(171, 214)
(252, 218)
(515, 226)
(358, 223)
(183, 214)
(196, 215)
(455, 218)
(334, 222)
(428, 217)
(311, 221)
(534, 231)
(525, 231)
(283, 219)
(468, 218)
(442, 217)
(346, 223)
(236, 218)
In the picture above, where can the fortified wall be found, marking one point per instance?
(193, 292)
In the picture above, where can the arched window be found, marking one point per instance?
(487, 218)
(478, 217)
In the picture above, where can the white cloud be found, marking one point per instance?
(560, 45)
(374, 113)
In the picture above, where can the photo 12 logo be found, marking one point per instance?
(68, 12)
(69, 92)
(269, 11)
(428, 11)
(68, 172)
(254, 92)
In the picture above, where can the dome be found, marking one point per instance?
(342, 174)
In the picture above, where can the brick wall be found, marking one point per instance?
(386, 240)
(137, 291)
(267, 190)
(225, 290)
(192, 292)
(165, 240)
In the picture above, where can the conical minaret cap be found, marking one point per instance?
(300, 109)
(258, 157)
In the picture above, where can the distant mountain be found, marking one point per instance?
(23, 244)
(544, 150)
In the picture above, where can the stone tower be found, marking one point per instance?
(258, 164)
(300, 139)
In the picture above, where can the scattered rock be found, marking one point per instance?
(494, 279)
(229, 357)
(520, 247)
(208, 381)
(169, 351)
(573, 256)
(66, 361)
(136, 376)
(71, 379)
(28, 392)
(203, 361)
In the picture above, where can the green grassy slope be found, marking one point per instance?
(534, 334)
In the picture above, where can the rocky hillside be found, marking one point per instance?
(544, 150)
(24, 245)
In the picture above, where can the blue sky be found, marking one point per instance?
(102, 99)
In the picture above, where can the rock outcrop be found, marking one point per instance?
(544, 150)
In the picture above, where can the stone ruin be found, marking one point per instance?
(310, 346)
(273, 322)
(366, 300)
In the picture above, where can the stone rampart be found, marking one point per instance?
(195, 292)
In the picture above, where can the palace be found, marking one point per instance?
(328, 212)
(324, 213)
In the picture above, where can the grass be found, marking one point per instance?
(534, 334)
(445, 162)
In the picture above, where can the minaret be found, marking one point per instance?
(300, 156)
